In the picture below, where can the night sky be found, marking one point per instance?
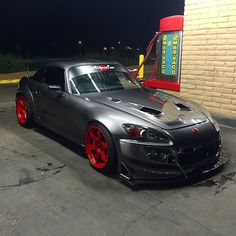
(37, 26)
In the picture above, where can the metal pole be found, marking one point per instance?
(141, 71)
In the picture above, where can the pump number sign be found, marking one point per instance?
(170, 49)
(169, 56)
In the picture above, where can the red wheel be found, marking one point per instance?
(100, 149)
(23, 111)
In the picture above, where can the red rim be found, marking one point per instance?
(21, 109)
(96, 147)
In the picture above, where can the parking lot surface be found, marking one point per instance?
(47, 187)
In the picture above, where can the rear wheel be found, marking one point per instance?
(100, 149)
(23, 111)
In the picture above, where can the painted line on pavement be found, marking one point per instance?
(9, 81)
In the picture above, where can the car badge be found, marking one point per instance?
(196, 131)
(103, 68)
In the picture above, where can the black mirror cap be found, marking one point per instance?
(142, 80)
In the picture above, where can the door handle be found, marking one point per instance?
(37, 92)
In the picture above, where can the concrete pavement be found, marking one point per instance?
(48, 188)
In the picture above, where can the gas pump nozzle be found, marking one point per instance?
(148, 51)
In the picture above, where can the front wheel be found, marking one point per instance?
(100, 149)
(23, 111)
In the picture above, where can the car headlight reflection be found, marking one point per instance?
(213, 121)
(215, 124)
(146, 134)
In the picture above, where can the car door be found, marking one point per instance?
(50, 101)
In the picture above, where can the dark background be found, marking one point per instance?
(54, 27)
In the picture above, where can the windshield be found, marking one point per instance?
(100, 78)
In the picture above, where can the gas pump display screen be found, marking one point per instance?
(169, 55)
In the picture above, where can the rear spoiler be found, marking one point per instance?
(28, 62)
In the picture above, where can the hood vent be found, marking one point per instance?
(116, 100)
(182, 107)
(150, 111)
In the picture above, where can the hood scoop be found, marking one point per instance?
(182, 107)
(137, 105)
(150, 111)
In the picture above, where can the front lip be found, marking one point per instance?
(179, 178)
(135, 169)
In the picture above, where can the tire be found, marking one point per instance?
(100, 149)
(23, 112)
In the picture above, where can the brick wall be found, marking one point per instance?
(208, 72)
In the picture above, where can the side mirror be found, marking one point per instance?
(133, 72)
(142, 80)
(54, 87)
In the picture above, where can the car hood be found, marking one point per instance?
(159, 108)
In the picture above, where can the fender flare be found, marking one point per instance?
(117, 147)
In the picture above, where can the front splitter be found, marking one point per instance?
(181, 178)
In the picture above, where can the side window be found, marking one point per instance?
(55, 76)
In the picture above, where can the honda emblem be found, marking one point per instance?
(196, 131)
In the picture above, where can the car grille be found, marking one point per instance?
(197, 154)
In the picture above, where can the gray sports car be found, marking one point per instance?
(138, 132)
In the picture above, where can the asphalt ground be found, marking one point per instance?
(47, 187)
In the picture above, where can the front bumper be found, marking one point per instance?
(152, 163)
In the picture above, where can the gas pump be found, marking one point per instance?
(166, 69)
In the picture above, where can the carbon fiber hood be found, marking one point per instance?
(159, 108)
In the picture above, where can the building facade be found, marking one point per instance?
(208, 70)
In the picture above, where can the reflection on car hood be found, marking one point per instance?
(157, 107)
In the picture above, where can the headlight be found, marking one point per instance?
(213, 121)
(215, 124)
(146, 134)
